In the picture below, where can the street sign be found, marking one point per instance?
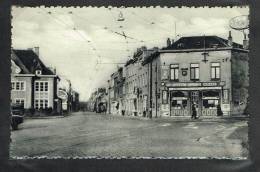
(239, 22)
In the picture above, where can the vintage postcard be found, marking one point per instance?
(130, 82)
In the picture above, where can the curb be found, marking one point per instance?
(45, 117)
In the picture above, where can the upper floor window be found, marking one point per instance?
(41, 86)
(194, 71)
(18, 85)
(38, 72)
(215, 71)
(174, 72)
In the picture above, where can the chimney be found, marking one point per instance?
(168, 42)
(230, 39)
(155, 48)
(37, 50)
(143, 48)
(245, 42)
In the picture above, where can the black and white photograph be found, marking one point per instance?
(127, 82)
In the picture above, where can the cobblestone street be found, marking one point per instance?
(90, 134)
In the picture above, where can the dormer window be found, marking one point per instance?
(38, 72)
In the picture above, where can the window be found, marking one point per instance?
(194, 71)
(215, 71)
(19, 101)
(41, 86)
(18, 85)
(38, 72)
(41, 94)
(174, 72)
(41, 103)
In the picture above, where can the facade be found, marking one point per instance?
(98, 101)
(116, 92)
(209, 71)
(136, 83)
(33, 84)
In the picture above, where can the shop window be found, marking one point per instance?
(174, 72)
(194, 71)
(210, 103)
(215, 71)
(179, 104)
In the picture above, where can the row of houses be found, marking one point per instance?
(207, 70)
(36, 86)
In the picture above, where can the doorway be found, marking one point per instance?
(195, 98)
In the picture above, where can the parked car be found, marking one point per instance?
(17, 109)
(17, 112)
(15, 121)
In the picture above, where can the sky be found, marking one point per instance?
(86, 45)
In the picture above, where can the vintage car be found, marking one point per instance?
(15, 121)
(17, 112)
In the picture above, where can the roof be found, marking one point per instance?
(29, 61)
(201, 42)
(195, 42)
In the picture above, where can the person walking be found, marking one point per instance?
(219, 111)
(194, 111)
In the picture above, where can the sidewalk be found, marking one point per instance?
(187, 118)
(42, 116)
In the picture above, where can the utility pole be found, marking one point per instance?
(156, 106)
(151, 89)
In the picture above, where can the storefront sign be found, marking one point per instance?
(194, 84)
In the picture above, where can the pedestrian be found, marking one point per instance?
(219, 111)
(194, 111)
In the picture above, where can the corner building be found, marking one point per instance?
(207, 70)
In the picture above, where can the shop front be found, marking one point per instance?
(206, 98)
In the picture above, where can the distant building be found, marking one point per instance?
(98, 101)
(136, 83)
(206, 70)
(116, 92)
(33, 84)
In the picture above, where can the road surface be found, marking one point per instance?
(90, 134)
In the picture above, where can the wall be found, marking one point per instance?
(27, 94)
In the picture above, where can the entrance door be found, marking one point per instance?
(195, 99)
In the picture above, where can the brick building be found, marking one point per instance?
(207, 70)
